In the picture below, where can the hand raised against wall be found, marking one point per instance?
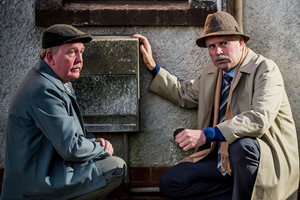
(146, 50)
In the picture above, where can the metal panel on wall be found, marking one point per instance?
(108, 88)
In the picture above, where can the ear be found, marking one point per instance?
(241, 41)
(49, 57)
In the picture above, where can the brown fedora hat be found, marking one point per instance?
(220, 23)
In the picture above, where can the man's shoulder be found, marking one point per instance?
(34, 84)
(254, 62)
(34, 80)
(209, 69)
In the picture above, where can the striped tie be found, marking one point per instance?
(222, 110)
(224, 96)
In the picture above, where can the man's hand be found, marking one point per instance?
(146, 50)
(106, 144)
(189, 139)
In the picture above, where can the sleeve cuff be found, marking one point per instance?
(213, 134)
(155, 70)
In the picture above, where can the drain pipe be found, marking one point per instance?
(219, 5)
(235, 8)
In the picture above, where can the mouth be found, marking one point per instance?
(222, 60)
(76, 68)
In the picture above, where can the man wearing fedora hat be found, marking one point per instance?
(245, 145)
(49, 154)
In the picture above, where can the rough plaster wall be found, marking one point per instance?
(275, 34)
(20, 41)
(274, 26)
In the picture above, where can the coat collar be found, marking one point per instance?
(211, 74)
(43, 68)
(246, 66)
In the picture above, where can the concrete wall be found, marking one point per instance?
(272, 24)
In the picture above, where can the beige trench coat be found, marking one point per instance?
(260, 108)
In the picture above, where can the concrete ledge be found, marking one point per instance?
(120, 13)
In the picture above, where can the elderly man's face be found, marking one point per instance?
(225, 51)
(67, 62)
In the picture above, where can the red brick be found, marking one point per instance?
(119, 191)
(157, 172)
(1, 175)
(140, 174)
(1, 179)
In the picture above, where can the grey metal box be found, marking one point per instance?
(108, 88)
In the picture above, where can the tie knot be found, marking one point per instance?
(227, 78)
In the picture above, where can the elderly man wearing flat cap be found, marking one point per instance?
(49, 154)
(245, 145)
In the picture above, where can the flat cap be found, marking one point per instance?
(59, 34)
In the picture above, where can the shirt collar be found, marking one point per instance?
(231, 73)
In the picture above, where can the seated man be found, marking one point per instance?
(49, 154)
(244, 118)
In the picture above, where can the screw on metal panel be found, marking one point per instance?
(97, 78)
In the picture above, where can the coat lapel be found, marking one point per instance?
(210, 85)
(48, 73)
(246, 67)
(206, 96)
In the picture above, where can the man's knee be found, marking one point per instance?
(111, 162)
(244, 151)
(166, 185)
(163, 182)
(112, 166)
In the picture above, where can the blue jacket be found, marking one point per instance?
(48, 152)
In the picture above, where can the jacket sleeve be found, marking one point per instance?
(184, 94)
(267, 92)
(48, 108)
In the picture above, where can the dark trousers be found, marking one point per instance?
(202, 180)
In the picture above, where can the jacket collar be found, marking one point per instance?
(246, 66)
(44, 69)
(211, 69)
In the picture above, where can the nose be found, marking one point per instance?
(219, 50)
(79, 57)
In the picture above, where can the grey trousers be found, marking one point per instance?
(114, 169)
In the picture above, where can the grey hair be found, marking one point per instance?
(237, 38)
(42, 53)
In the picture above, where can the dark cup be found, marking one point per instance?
(177, 131)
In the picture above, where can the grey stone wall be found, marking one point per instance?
(272, 25)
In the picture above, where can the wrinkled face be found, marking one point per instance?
(225, 51)
(67, 62)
